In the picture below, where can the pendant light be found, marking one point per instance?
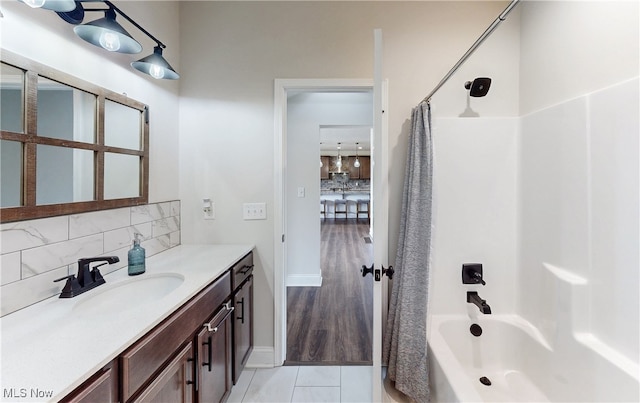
(339, 159)
(156, 66)
(53, 5)
(108, 34)
(356, 163)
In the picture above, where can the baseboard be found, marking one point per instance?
(261, 357)
(304, 280)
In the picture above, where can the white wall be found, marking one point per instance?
(306, 112)
(231, 53)
(578, 267)
(42, 36)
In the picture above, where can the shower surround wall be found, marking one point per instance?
(36, 252)
(557, 220)
(578, 267)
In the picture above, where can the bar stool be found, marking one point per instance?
(351, 203)
(360, 203)
(323, 208)
(338, 204)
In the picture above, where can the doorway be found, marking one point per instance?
(289, 204)
(329, 303)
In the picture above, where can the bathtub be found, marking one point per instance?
(521, 365)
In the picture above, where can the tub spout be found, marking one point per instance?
(474, 298)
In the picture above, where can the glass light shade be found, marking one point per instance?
(356, 163)
(110, 41)
(339, 162)
(108, 34)
(156, 66)
(53, 5)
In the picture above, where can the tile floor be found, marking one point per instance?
(303, 384)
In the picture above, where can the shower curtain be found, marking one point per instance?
(405, 342)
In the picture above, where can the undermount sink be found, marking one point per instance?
(128, 294)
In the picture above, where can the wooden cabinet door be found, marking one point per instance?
(101, 387)
(242, 327)
(365, 167)
(214, 357)
(175, 383)
(324, 169)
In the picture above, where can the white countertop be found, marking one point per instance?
(48, 349)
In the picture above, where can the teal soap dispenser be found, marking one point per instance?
(136, 257)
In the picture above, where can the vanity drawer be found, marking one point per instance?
(147, 356)
(242, 270)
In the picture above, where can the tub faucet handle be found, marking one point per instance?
(472, 273)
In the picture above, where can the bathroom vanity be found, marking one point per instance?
(181, 332)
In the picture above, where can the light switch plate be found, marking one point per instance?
(301, 191)
(254, 211)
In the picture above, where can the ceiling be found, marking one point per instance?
(347, 136)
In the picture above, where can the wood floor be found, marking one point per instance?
(332, 324)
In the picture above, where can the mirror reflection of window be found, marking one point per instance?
(121, 176)
(10, 173)
(122, 126)
(64, 175)
(65, 112)
(11, 98)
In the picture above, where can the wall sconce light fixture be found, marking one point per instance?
(108, 34)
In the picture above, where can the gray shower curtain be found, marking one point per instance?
(405, 342)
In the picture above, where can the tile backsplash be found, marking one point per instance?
(36, 252)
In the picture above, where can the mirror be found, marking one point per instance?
(65, 112)
(64, 175)
(121, 176)
(11, 98)
(67, 146)
(120, 122)
(10, 173)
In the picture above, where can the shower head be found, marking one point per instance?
(479, 87)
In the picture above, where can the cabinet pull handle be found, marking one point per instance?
(241, 317)
(226, 310)
(209, 354)
(195, 381)
(246, 269)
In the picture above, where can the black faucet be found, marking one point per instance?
(474, 298)
(87, 278)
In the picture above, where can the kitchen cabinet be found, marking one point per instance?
(361, 172)
(365, 167)
(324, 168)
(242, 284)
(101, 387)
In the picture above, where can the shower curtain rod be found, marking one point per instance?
(478, 42)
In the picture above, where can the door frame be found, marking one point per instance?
(281, 86)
